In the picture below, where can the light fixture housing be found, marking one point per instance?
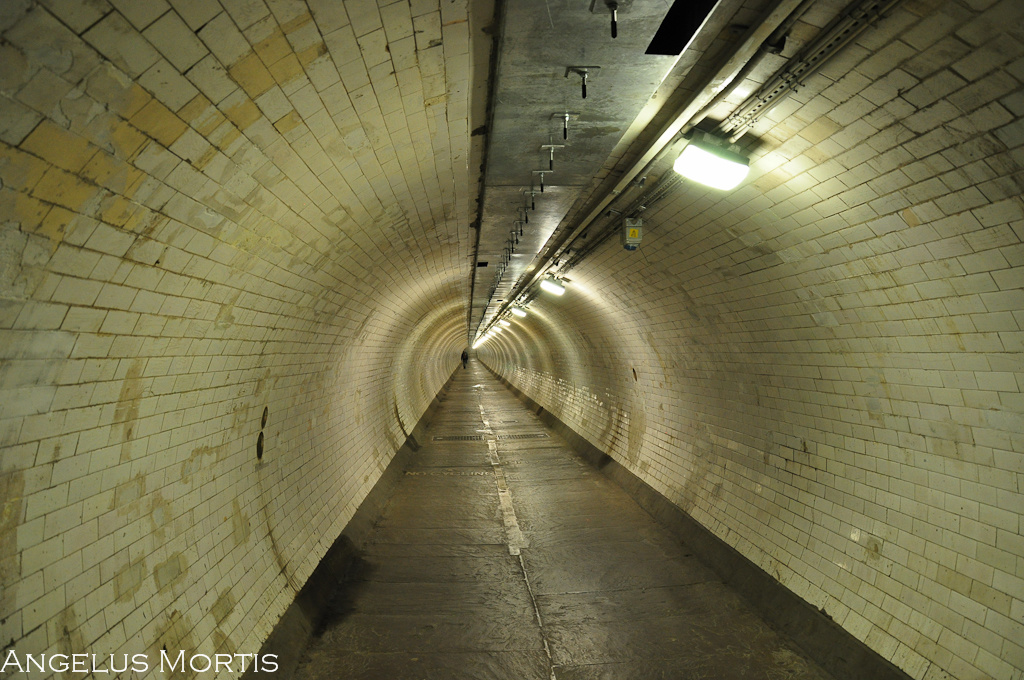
(519, 311)
(708, 160)
(504, 323)
(552, 286)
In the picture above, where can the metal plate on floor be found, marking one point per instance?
(458, 438)
(535, 435)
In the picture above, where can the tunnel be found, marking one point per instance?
(245, 243)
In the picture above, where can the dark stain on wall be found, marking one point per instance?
(176, 633)
(197, 461)
(398, 418)
(64, 628)
(703, 452)
(127, 410)
(12, 488)
(128, 494)
(637, 428)
(170, 571)
(128, 579)
(160, 515)
(224, 605)
(222, 643)
(240, 529)
(263, 469)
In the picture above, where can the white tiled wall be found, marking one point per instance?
(829, 360)
(207, 210)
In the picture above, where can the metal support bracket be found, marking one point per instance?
(533, 197)
(613, 6)
(551, 158)
(565, 117)
(542, 173)
(584, 72)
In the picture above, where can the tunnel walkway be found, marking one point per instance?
(503, 555)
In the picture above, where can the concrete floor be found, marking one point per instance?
(503, 555)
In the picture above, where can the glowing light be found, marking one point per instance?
(504, 323)
(552, 286)
(519, 311)
(705, 162)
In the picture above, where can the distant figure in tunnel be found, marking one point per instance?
(465, 358)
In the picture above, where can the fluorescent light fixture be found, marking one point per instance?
(504, 323)
(706, 160)
(552, 286)
(497, 329)
(479, 342)
(519, 311)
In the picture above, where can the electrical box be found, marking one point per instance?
(632, 232)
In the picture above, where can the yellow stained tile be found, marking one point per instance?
(23, 209)
(143, 221)
(117, 210)
(196, 106)
(101, 168)
(127, 140)
(290, 121)
(286, 69)
(224, 137)
(58, 146)
(123, 100)
(63, 188)
(210, 121)
(202, 115)
(308, 56)
(203, 160)
(112, 173)
(55, 225)
(159, 122)
(133, 179)
(244, 114)
(820, 130)
(910, 217)
(135, 98)
(20, 170)
(273, 48)
(251, 75)
(297, 23)
(818, 156)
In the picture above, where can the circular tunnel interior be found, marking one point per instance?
(244, 244)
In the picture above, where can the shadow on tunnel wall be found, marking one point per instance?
(320, 598)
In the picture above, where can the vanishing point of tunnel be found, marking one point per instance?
(512, 339)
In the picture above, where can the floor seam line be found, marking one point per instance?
(540, 621)
(516, 540)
